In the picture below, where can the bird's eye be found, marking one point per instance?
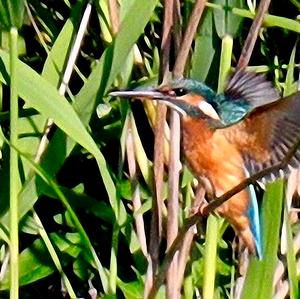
(180, 92)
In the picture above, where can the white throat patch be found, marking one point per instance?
(208, 109)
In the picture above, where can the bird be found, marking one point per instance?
(229, 136)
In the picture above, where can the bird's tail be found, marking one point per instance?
(253, 214)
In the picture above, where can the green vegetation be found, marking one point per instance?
(78, 176)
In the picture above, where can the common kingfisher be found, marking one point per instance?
(229, 136)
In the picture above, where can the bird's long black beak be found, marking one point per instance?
(152, 94)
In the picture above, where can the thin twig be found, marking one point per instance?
(166, 40)
(188, 38)
(177, 28)
(172, 285)
(188, 238)
(183, 50)
(161, 112)
(173, 288)
(156, 220)
(253, 34)
(159, 278)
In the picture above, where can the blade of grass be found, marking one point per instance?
(85, 239)
(210, 256)
(290, 87)
(13, 168)
(61, 112)
(259, 278)
(291, 257)
(54, 256)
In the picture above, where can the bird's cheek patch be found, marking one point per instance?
(208, 109)
(192, 99)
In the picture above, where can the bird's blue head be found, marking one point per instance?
(189, 97)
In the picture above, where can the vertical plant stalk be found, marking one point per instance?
(183, 50)
(225, 62)
(113, 267)
(156, 220)
(136, 200)
(159, 278)
(13, 169)
(185, 248)
(210, 257)
(177, 28)
(212, 228)
(166, 39)
(253, 34)
(173, 283)
(188, 38)
(173, 288)
(177, 72)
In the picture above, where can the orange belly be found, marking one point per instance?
(210, 155)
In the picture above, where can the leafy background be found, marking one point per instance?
(85, 192)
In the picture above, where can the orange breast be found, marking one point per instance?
(211, 155)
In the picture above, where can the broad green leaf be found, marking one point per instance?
(52, 105)
(35, 264)
(56, 59)
(205, 44)
(225, 21)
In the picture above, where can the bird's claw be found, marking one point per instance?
(199, 209)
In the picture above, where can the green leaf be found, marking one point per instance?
(291, 257)
(35, 264)
(11, 14)
(112, 60)
(258, 283)
(204, 47)
(132, 290)
(290, 85)
(271, 20)
(225, 21)
(52, 105)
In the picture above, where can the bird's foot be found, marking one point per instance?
(202, 209)
(197, 209)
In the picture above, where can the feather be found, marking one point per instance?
(270, 137)
(252, 88)
(245, 92)
(253, 214)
